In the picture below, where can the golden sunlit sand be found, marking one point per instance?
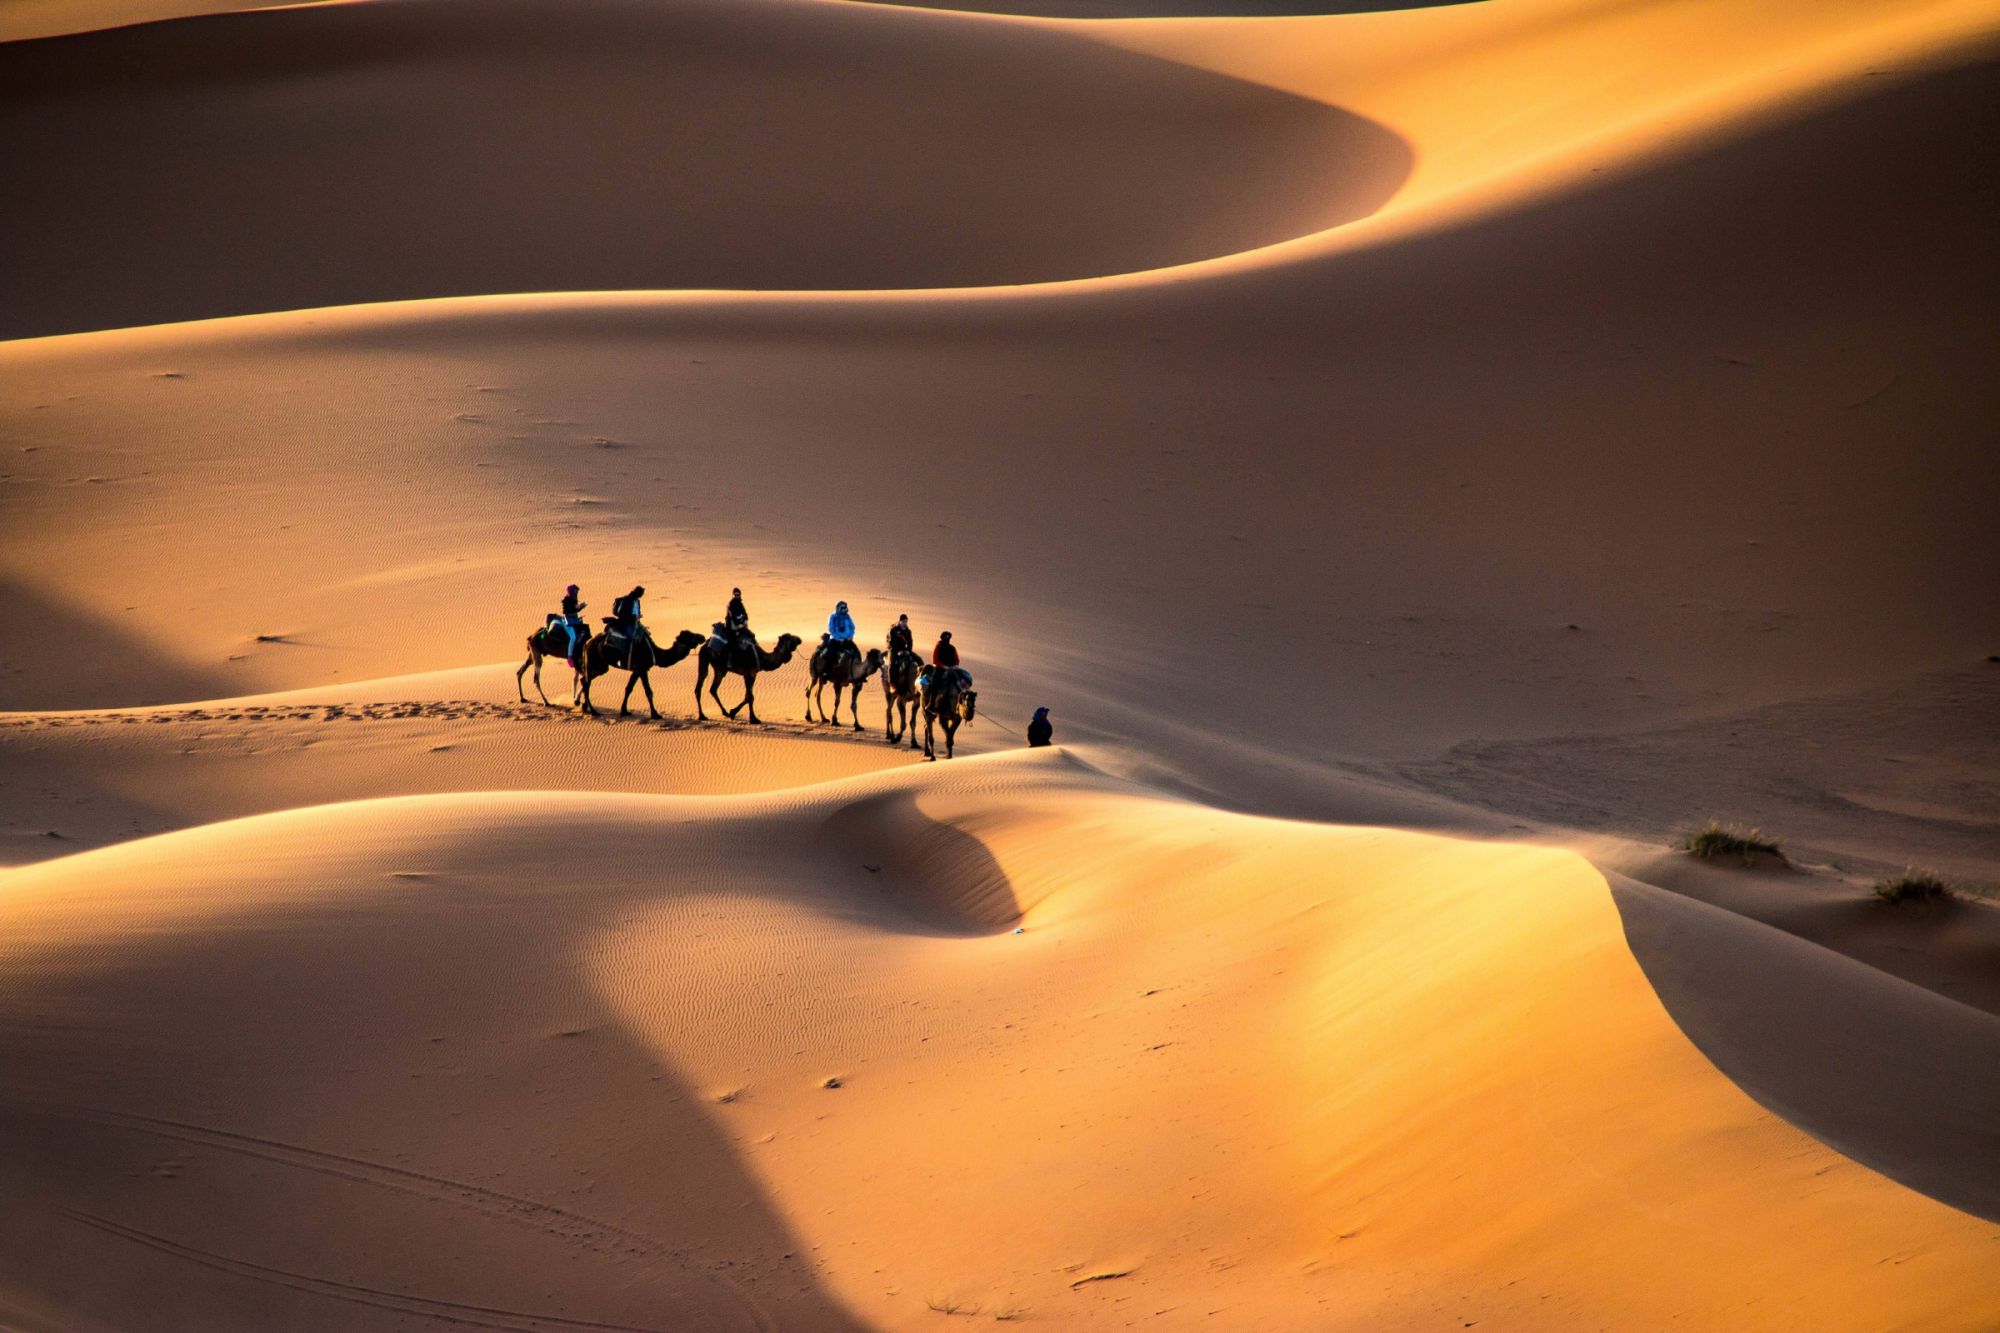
(1429, 460)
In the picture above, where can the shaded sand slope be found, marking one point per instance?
(1902, 1078)
(419, 148)
(1289, 1073)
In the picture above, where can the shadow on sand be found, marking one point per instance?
(396, 1107)
(124, 669)
(1817, 1038)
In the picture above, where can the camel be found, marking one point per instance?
(902, 702)
(597, 658)
(849, 671)
(545, 642)
(743, 657)
(950, 702)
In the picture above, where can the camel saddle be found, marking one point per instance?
(556, 635)
(620, 643)
(833, 653)
(934, 676)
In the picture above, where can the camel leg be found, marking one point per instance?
(750, 700)
(517, 677)
(929, 752)
(583, 683)
(715, 693)
(700, 679)
(837, 688)
(950, 736)
(854, 705)
(646, 683)
(625, 703)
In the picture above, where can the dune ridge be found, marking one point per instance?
(335, 154)
(1416, 125)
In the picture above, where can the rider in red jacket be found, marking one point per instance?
(944, 655)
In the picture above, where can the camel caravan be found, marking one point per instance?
(939, 690)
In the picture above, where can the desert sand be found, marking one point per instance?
(1429, 459)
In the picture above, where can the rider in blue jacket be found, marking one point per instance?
(840, 625)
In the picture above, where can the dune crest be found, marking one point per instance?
(1505, 102)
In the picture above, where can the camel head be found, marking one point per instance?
(872, 664)
(687, 641)
(787, 645)
(971, 702)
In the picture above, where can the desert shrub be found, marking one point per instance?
(1914, 886)
(1717, 840)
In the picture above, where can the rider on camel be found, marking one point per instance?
(625, 619)
(572, 621)
(944, 658)
(901, 638)
(840, 625)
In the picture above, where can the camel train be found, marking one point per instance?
(940, 692)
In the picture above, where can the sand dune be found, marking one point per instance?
(385, 151)
(1209, 1018)
(1543, 423)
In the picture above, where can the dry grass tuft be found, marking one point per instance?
(1717, 840)
(1914, 886)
